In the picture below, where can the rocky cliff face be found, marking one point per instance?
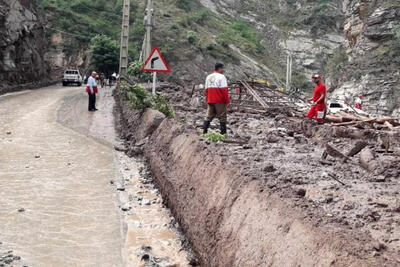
(372, 32)
(308, 30)
(355, 44)
(22, 44)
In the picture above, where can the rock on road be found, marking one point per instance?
(57, 207)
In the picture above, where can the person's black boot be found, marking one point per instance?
(223, 127)
(206, 125)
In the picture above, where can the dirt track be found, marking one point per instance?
(268, 199)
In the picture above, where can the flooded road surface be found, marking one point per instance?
(56, 208)
(59, 173)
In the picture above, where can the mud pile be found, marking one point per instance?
(274, 194)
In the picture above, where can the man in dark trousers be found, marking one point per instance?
(217, 94)
(92, 90)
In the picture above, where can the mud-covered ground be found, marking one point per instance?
(285, 154)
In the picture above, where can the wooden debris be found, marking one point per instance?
(334, 152)
(389, 125)
(335, 178)
(325, 162)
(358, 146)
(343, 118)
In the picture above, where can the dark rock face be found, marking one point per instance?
(22, 44)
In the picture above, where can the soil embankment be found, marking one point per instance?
(234, 219)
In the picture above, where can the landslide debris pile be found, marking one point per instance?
(346, 176)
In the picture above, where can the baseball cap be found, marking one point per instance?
(219, 65)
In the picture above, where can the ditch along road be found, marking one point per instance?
(67, 198)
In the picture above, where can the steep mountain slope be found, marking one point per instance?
(253, 37)
(21, 44)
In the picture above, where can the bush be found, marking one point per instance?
(136, 95)
(191, 36)
(161, 103)
(245, 32)
(139, 98)
(214, 137)
(135, 70)
(185, 4)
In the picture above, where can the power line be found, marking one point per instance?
(91, 9)
(68, 33)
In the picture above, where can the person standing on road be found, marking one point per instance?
(318, 107)
(217, 94)
(92, 90)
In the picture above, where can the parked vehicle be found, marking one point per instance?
(72, 76)
(337, 106)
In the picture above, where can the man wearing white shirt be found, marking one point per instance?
(217, 94)
(92, 90)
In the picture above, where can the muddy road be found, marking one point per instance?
(67, 198)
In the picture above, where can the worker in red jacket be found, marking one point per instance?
(359, 102)
(217, 94)
(318, 108)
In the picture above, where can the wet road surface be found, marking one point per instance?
(58, 206)
(59, 178)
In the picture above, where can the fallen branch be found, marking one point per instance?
(335, 178)
(334, 152)
(359, 145)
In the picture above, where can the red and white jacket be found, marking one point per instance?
(217, 89)
(91, 87)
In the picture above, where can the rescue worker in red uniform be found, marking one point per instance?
(359, 102)
(217, 94)
(318, 108)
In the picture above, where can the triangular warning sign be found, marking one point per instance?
(156, 62)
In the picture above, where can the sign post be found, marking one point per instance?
(154, 83)
(155, 63)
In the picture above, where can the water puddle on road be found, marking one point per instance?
(152, 238)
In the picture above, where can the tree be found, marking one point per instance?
(105, 53)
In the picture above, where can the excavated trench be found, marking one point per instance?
(249, 204)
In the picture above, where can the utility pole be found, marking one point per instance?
(289, 72)
(148, 23)
(123, 61)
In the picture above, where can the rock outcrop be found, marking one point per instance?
(372, 32)
(22, 44)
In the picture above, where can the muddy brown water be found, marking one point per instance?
(67, 198)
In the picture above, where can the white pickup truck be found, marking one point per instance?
(72, 77)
